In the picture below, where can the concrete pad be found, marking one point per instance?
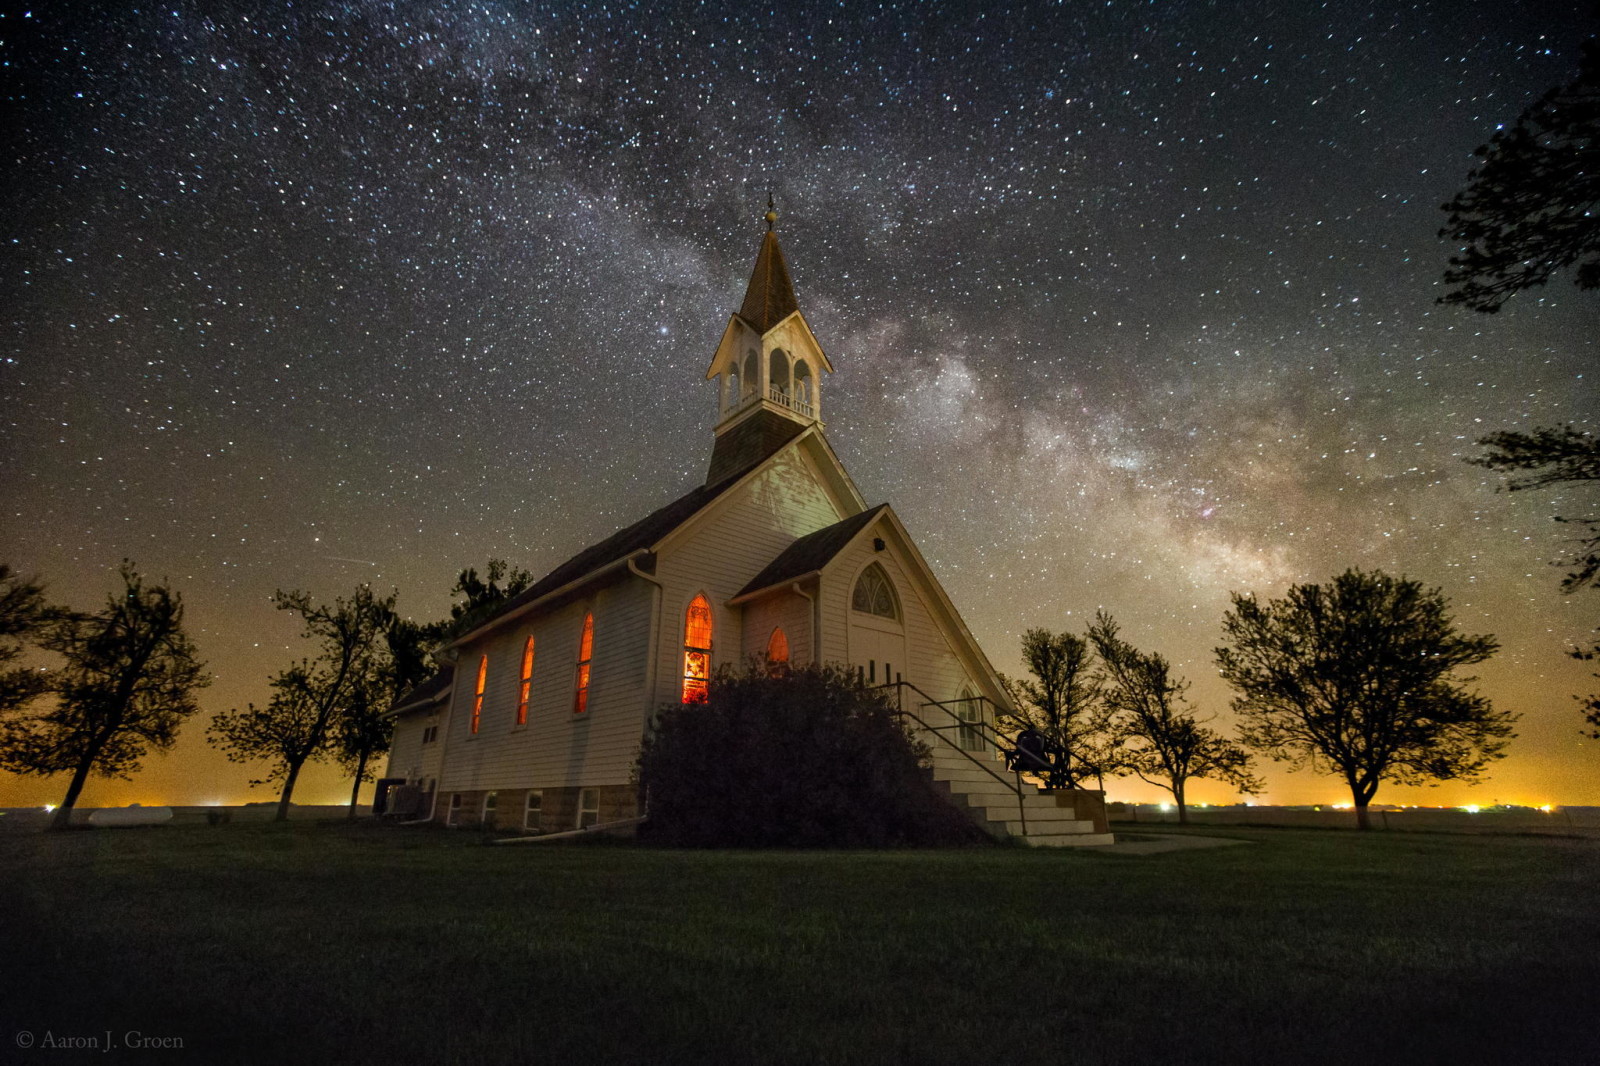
(1166, 842)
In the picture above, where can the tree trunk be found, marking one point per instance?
(63, 815)
(355, 789)
(1361, 795)
(1183, 808)
(288, 790)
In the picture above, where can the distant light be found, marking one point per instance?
(48, 807)
(1342, 806)
(1472, 808)
(1547, 808)
(1166, 806)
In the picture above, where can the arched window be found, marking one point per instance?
(527, 681)
(580, 695)
(969, 709)
(778, 373)
(778, 649)
(696, 649)
(873, 593)
(477, 693)
(802, 385)
(752, 372)
(732, 395)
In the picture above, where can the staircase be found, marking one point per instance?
(968, 766)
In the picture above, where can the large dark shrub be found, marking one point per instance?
(807, 758)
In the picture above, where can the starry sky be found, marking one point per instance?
(1131, 304)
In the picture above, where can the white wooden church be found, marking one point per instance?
(776, 557)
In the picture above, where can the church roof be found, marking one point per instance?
(425, 694)
(769, 299)
(811, 552)
(638, 537)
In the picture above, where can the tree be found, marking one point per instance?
(1532, 206)
(1063, 703)
(484, 596)
(805, 757)
(1356, 678)
(296, 725)
(1555, 455)
(1162, 743)
(1552, 455)
(128, 681)
(23, 615)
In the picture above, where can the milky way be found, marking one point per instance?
(1132, 305)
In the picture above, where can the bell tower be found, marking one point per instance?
(768, 367)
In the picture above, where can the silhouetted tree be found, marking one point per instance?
(1554, 455)
(1063, 703)
(1162, 743)
(128, 680)
(23, 614)
(1355, 677)
(297, 724)
(1532, 206)
(484, 596)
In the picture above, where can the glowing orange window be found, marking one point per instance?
(696, 650)
(778, 649)
(477, 695)
(580, 698)
(527, 682)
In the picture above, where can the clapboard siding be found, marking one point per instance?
(405, 750)
(409, 757)
(784, 608)
(931, 664)
(728, 546)
(556, 747)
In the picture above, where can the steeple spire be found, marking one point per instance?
(769, 298)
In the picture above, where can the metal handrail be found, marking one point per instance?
(1016, 788)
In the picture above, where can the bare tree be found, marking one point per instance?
(296, 725)
(1355, 678)
(1063, 703)
(128, 682)
(1162, 742)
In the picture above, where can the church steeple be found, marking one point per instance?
(767, 367)
(769, 298)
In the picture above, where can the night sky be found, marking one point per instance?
(1132, 304)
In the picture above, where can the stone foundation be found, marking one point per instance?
(558, 810)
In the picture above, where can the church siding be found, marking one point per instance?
(727, 548)
(931, 663)
(786, 609)
(405, 751)
(556, 747)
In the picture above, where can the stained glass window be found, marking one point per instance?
(477, 694)
(696, 650)
(778, 649)
(527, 682)
(873, 594)
(580, 698)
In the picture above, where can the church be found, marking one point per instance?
(778, 558)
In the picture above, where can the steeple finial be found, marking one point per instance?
(772, 213)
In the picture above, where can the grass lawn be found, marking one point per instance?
(307, 943)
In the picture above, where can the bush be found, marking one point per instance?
(807, 758)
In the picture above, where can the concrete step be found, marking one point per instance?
(1073, 840)
(1051, 826)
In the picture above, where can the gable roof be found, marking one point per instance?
(425, 694)
(769, 298)
(810, 553)
(630, 540)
